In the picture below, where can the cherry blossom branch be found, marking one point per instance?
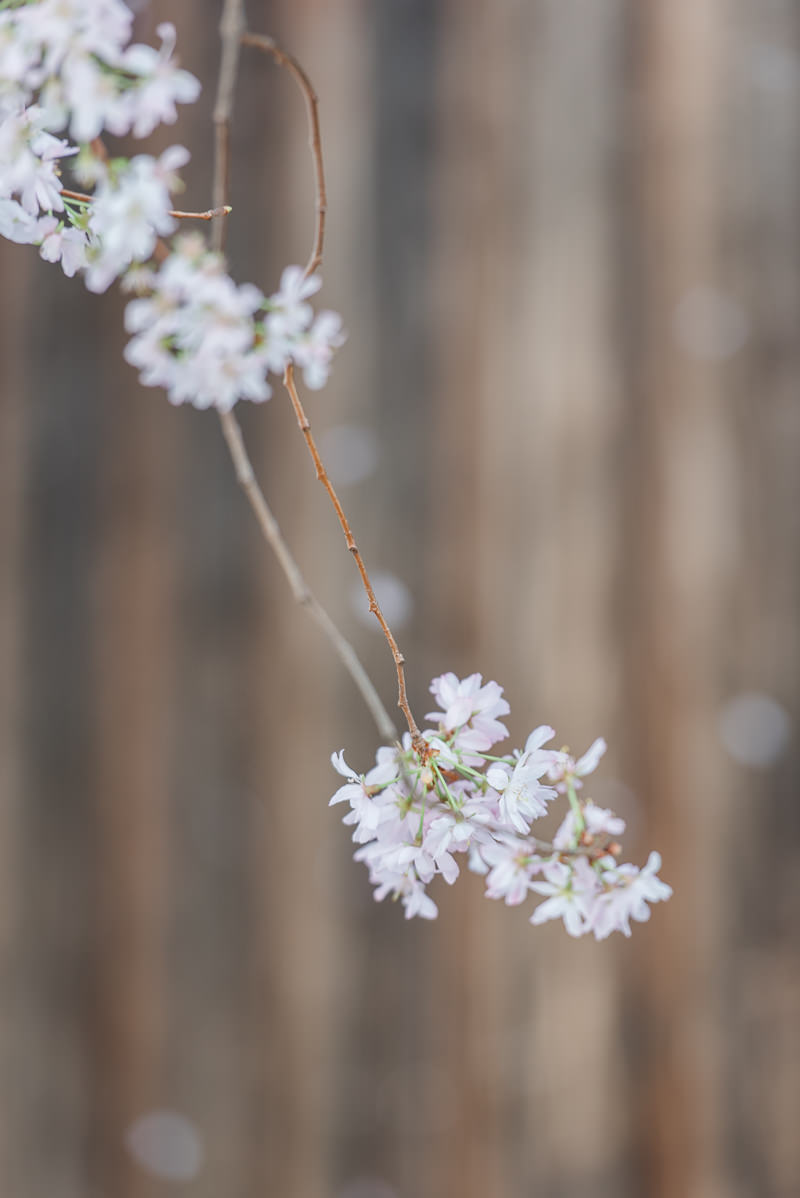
(592, 852)
(231, 29)
(268, 46)
(210, 214)
(195, 333)
(417, 739)
(274, 538)
(225, 210)
(230, 32)
(233, 34)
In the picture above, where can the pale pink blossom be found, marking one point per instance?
(74, 54)
(131, 210)
(416, 901)
(89, 98)
(208, 326)
(512, 869)
(597, 821)
(628, 892)
(29, 159)
(449, 831)
(566, 769)
(211, 377)
(314, 351)
(569, 891)
(64, 28)
(367, 812)
(470, 710)
(16, 224)
(163, 84)
(290, 314)
(522, 797)
(62, 244)
(20, 54)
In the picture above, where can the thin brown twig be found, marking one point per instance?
(231, 27)
(300, 591)
(224, 210)
(268, 46)
(76, 195)
(592, 853)
(417, 739)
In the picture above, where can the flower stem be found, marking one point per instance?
(577, 810)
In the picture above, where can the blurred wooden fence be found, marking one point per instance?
(563, 236)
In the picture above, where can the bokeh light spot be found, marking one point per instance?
(166, 1144)
(350, 453)
(754, 728)
(392, 594)
(710, 325)
(366, 1187)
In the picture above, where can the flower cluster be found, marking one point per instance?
(420, 807)
(75, 55)
(66, 67)
(208, 341)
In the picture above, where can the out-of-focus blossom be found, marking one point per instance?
(62, 244)
(203, 338)
(198, 335)
(314, 351)
(161, 86)
(29, 157)
(130, 211)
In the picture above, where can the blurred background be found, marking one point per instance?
(563, 236)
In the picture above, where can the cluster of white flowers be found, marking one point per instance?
(200, 337)
(416, 809)
(66, 68)
(74, 55)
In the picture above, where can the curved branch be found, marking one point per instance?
(417, 739)
(231, 31)
(268, 46)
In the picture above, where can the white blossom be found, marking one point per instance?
(29, 157)
(314, 351)
(130, 211)
(570, 892)
(162, 83)
(62, 244)
(289, 313)
(16, 224)
(597, 821)
(565, 769)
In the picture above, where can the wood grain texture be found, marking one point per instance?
(563, 236)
